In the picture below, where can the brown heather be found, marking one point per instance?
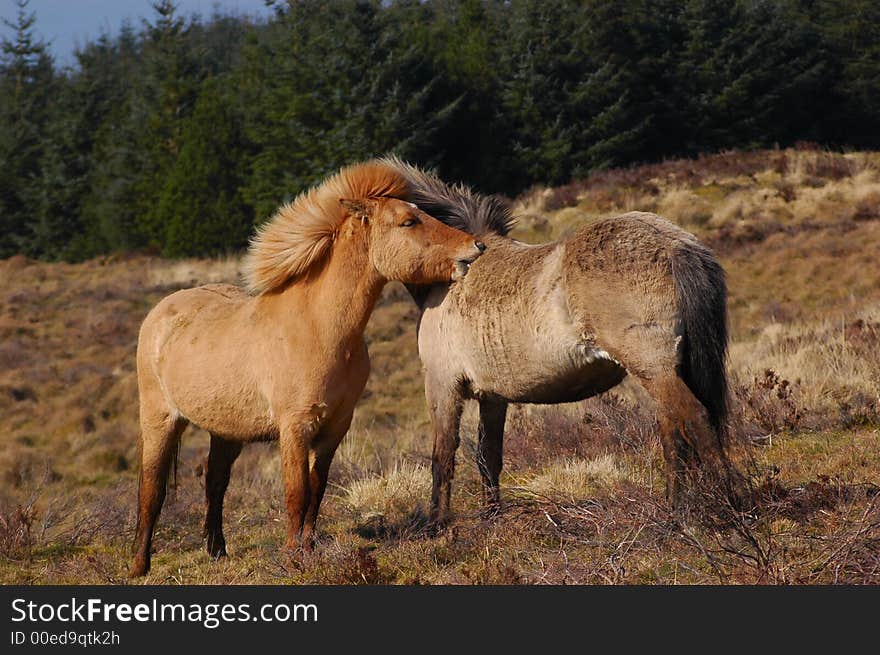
(797, 231)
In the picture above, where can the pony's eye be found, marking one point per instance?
(409, 222)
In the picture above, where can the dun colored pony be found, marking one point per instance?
(285, 359)
(564, 321)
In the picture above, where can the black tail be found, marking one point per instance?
(702, 299)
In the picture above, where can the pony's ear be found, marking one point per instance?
(359, 207)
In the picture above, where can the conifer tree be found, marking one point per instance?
(562, 105)
(745, 72)
(200, 205)
(852, 53)
(175, 135)
(27, 82)
(114, 114)
(171, 75)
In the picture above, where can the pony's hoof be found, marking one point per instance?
(444, 532)
(740, 492)
(216, 553)
(139, 570)
(297, 553)
(216, 547)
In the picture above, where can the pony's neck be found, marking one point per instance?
(339, 296)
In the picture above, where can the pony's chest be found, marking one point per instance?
(344, 382)
(322, 394)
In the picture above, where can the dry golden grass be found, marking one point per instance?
(576, 479)
(797, 231)
(684, 207)
(833, 368)
(392, 497)
(744, 197)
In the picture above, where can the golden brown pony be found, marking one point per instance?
(284, 359)
(559, 322)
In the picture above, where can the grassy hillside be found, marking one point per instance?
(798, 232)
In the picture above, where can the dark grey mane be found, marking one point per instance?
(456, 205)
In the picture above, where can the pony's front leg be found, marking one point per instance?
(294, 445)
(493, 413)
(445, 405)
(322, 456)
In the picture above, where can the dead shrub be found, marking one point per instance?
(867, 208)
(775, 312)
(862, 332)
(26, 468)
(787, 190)
(772, 541)
(16, 524)
(606, 424)
(364, 566)
(335, 564)
(355, 568)
(561, 197)
(859, 410)
(623, 425)
(832, 166)
(768, 405)
(739, 234)
(800, 502)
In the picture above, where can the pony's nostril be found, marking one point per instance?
(479, 245)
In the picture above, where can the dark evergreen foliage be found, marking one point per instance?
(179, 134)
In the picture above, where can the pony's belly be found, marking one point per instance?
(236, 419)
(226, 405)
(245, 430)
(555, 382)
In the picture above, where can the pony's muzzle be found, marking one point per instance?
(463, 264)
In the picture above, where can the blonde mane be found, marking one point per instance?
(301, 232)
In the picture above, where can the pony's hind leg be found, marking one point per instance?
(159, 439)
(493, 413)
(445, 404)
(690, 444)
(221, 457)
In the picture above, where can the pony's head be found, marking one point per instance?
(408, 245)
(404, 243)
